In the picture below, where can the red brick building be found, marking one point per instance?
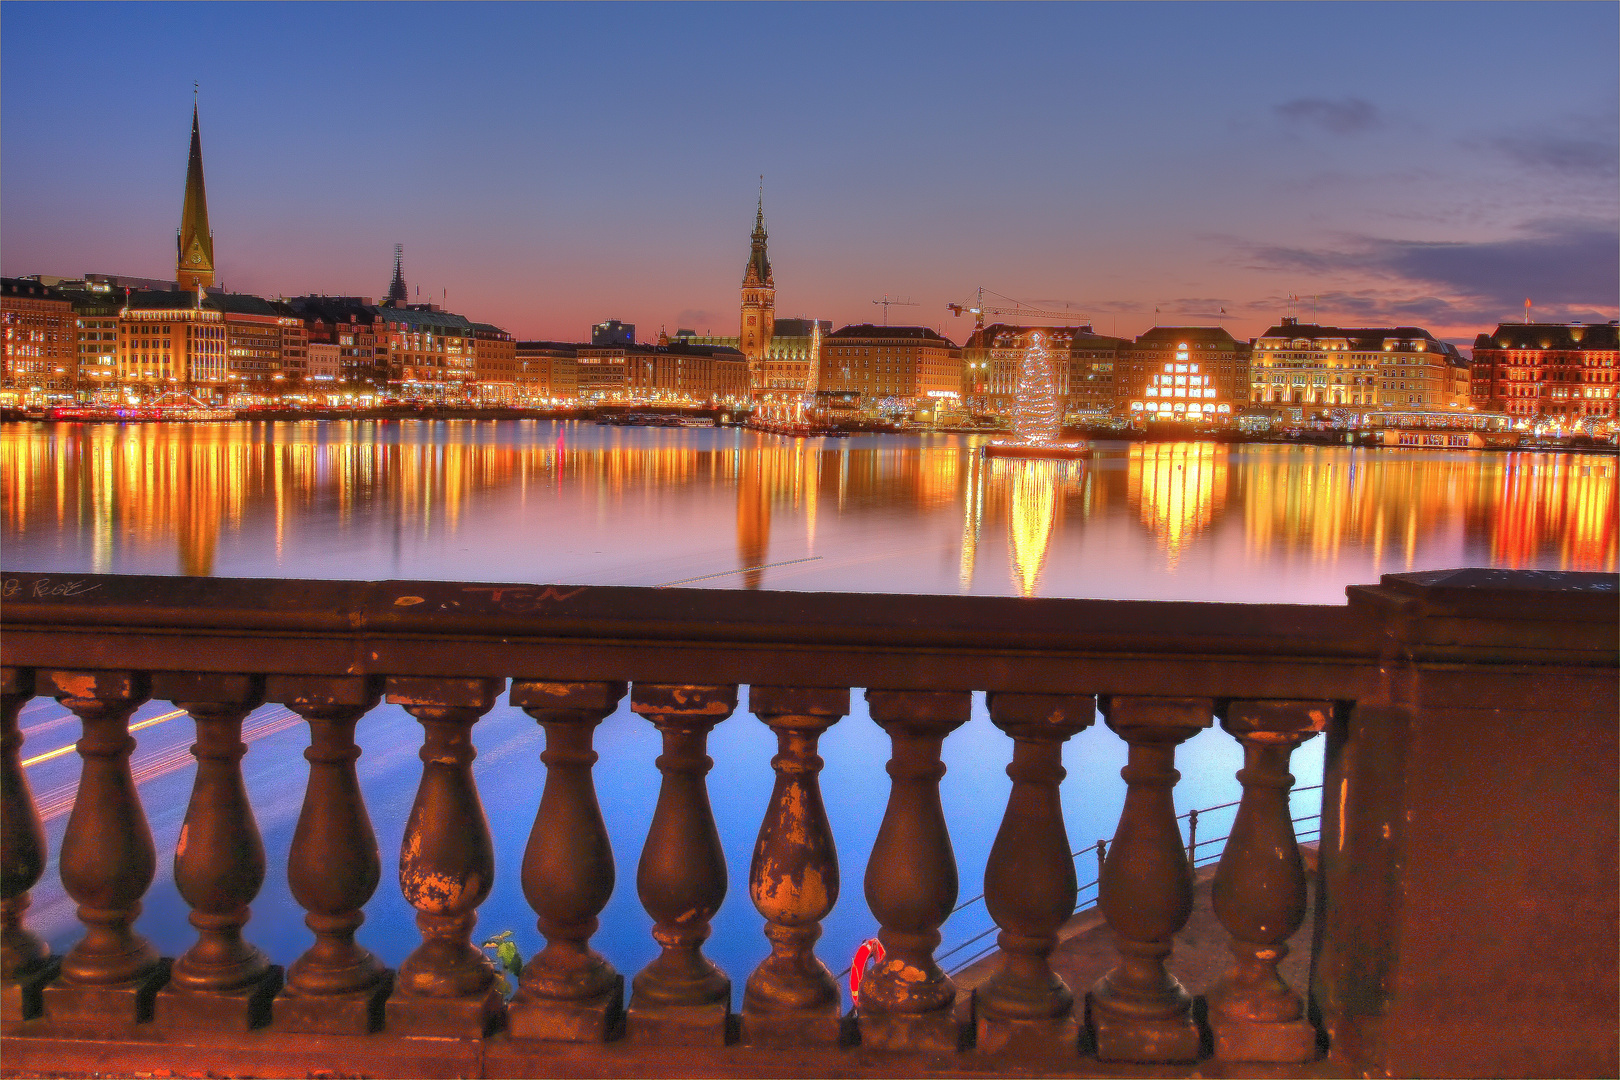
(1564, 372)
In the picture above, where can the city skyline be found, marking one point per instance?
(914, 162)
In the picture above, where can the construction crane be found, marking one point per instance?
(1016, 310)
(886, 302)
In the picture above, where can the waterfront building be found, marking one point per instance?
(168, 340)
(1334, 367)
(892, 369)
(324, 374)
(1183, 373)
(1082, 371)
(429, 353)
(613, 332)
(1093, 383)
(294, 345)
(350, 324)
(41, 344)
(1562, 372)
(669, 373)
(194, 241)
(95, 312)
(546, 371)
(494, 364)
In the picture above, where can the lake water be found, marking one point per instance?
(536, 501)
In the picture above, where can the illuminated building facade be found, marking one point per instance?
(194, 242)
(1187, 374)
(1563, 372)
(350, 324)
(546, 370)
(96, 313)
(1333, 367)
(41, 359)
(430, 353)
(1093, 376)
(494, 364)
(673, 373)
(892, 368)
(170, 340)
(1083, 366)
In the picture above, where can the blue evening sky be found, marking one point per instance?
(552, 165)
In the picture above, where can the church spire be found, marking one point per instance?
(398, 296)
(195, 243)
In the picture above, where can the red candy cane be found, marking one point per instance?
(871, 949)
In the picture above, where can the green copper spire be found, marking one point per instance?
(195, 243)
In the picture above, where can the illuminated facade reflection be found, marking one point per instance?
(1179, 489)
(575, 502)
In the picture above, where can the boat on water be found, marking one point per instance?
(166, 407)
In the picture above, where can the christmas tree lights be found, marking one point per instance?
(1035, 407)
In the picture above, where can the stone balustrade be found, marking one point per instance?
(1485, 690)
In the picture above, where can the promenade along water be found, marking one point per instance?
(534, 501)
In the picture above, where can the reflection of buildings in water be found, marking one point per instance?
(1569, 500)
(127, 493)
(972, 517)
(1530, 509)
(753, 519)
(1034, 502)
(1178, 490)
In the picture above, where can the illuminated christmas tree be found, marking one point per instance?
(1035, 408)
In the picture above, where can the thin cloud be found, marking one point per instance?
(1564, 262)
(1349, 116)
(1560, 153)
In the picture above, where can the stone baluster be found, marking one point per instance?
(681, 998)
(446, 987)
(107, 859)
(1139, 1011)
(567, 992)
(337, 986)
(221, 982)
(791, 998)
(1259, 891)
(26, 963)
(1029, 882)
(907, 1001)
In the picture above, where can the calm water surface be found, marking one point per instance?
(535, 501)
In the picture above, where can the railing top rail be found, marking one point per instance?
(457, 629)
(490, 608)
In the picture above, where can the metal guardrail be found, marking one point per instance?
(1101, 848)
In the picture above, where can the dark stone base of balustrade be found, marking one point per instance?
(445, 1018)
(95, 1006)
(680, 1025)
(22, 1000)
(359, 1013)
(943, 1032)
(1148, 1041)
(243, 1009)
(588, 1020)
(1285, 1042)
(1055, 1039)
(805, 1028)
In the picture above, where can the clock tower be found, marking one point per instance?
(758, 303)
(194, 242)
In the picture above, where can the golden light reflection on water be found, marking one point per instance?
(885, 514)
